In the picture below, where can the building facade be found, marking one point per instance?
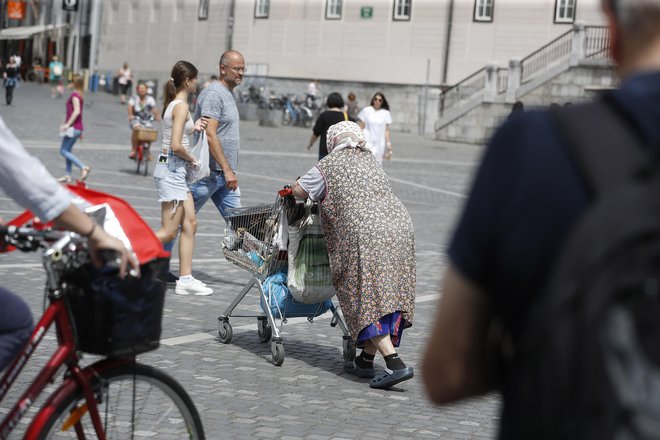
(378, 41)
(410, 49)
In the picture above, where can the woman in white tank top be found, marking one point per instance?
(178, 209)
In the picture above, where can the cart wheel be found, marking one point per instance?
(225, 332)
(277, 350)
(263, 330)
(349, 350)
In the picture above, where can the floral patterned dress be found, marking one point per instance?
(370, 240)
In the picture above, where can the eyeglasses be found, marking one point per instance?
(236, 69)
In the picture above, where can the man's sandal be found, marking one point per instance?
(389, 378)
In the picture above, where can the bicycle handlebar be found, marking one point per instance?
(29, 239)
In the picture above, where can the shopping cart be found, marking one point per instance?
(251, 243)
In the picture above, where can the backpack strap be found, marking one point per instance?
(607, 149)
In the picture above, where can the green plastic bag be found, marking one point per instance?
(309, 278)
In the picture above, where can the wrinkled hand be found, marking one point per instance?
(100, 240)
(200, 124)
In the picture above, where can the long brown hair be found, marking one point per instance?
(181, 71)
(78, 83)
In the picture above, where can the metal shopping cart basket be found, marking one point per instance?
(250, 244)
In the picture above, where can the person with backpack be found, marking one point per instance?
(552, 294)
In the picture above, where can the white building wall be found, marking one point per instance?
(297, 42)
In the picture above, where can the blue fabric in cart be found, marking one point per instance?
(282, 303)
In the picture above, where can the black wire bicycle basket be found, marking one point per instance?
(117, 317)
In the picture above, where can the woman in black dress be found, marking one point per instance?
(328, 118)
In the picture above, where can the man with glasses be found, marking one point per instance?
(216, 103)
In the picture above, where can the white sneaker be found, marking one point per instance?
(194, 287)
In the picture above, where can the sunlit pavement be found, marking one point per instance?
(237, 390)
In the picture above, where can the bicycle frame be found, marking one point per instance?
(65, 356)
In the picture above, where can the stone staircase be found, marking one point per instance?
(571, 68)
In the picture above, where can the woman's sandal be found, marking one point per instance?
(352, 368)
(64, 179)
(84, 173)
(389, 378)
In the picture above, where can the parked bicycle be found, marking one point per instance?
(114, 398)
(296, 113)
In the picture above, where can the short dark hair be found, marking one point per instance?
(335, 100)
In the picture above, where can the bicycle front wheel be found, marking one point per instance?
(133, 400)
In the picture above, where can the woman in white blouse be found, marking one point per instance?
(375, 120)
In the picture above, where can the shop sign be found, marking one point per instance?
(70, 5)
(366, 11)
(15, 10)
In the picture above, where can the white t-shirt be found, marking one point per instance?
(311, 89)
(142, 110)
(168, 120)
(375, 122)
(124, 76)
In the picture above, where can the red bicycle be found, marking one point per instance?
(114, 398)
(143, 155)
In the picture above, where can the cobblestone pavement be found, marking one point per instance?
(237, 390)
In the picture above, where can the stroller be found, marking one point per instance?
(252, 242)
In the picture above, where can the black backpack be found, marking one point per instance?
(588, 364)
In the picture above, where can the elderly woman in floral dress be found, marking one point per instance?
(371, 248)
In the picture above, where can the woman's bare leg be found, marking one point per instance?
(170, 221)
(187, 239)
(382, 343)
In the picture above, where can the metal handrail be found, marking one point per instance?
(549, 55)
(596, 46)
(597, 42)
(464, 89)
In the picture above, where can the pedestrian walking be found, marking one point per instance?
(72, 129)
(538, 189)
(352, 107)
(125, 81)
(55, 77)
(216, 104)
(371, 247)
(328, 118)
(375, 119)
(177, 207)
(10, 76)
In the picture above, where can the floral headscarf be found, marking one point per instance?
(345, 134)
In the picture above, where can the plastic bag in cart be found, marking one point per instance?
(283, 305)
(310, 277)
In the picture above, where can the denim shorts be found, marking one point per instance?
(170, 179)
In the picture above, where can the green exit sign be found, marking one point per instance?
(366, 12)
